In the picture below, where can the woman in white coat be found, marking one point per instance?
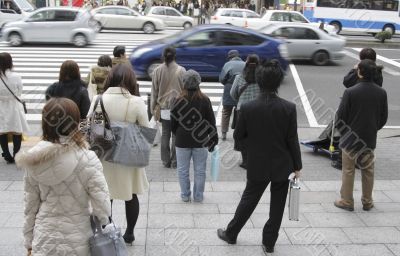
(12, 114)
(64, 185)
(121, 105)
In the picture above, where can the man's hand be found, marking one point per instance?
(297, 174)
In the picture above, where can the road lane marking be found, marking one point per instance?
(304, 99)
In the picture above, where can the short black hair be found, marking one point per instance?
(104, 61)
(269, 76)
(368, 54)
(119, 50)
(367, 69)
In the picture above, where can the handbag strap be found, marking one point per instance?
(15, 96)
(105, 115)
(242, 89)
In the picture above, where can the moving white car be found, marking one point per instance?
(277, 16)
(52, 25)
(238, 17)
(170, 16)
(124, 18)
(306, 42)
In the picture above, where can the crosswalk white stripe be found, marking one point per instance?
(92, 60)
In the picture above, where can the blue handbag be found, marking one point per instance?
(215, 164)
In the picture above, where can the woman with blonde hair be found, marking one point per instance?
(63, 184)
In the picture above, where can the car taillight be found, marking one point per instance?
(214, 17)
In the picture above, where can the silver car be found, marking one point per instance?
(124, 18)
(170, 16)
(52, 25)
(305, 41)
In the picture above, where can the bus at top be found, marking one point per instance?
(370, 16)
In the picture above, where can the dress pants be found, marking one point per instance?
(366, 164)
(226, 117)
(250, 198)
(168, 153)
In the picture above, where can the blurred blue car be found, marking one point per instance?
(205, 48)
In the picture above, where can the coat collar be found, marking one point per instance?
(116, 90)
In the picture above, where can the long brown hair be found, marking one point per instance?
(192, 94)
(61, 117)
(122, 75)
(6, 63)
(69, 71)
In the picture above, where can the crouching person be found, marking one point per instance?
(64, 184)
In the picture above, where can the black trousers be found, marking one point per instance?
(250, 198)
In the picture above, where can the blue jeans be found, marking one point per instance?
(183, 156)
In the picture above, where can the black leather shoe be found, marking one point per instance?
(268, 249)
(129, 238)
(222, 235)
(9, 159)
(244, 166)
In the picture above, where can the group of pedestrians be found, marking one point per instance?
(63, 177)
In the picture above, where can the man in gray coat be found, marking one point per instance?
(233, 67)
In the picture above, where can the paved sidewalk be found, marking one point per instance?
(168, 226)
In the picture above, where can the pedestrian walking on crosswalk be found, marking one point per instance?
(71, 86)
(13, 120)
(98, 74)
(167, 85)
(119, 55)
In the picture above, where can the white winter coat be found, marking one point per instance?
(123, 181)
(12, 113)
(64, 185)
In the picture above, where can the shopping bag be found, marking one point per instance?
(294, 198)
(156, 125)
(215, 164)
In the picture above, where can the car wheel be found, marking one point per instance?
(152, 67)
(187, 25)
(15, 39)
(389, 28)
(80, 40)
(320, 58)
(149, 28)
(337, 26)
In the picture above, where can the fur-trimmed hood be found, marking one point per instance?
(50, 163)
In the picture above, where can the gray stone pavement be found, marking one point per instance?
(168, 226)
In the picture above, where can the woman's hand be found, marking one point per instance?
(297, 174)
(29, 252)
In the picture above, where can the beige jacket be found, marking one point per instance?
(64, 185)
(167, 84)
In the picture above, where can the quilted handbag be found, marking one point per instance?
(106, 243)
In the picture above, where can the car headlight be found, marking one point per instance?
(283, 51)
(140, 52)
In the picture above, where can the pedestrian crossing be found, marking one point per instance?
(39, 68)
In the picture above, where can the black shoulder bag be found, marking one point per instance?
(235, 114)
(18, 99)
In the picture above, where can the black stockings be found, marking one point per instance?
(17, 139)
(132, 213)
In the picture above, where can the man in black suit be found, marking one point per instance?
(268, 128)
(362, 112)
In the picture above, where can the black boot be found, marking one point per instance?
(17, 140)
(4, 147)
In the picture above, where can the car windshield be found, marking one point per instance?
(268, 29)
(136, 13)
(24, 5)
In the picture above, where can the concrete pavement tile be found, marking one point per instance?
(334, 220)
(16, 186)
(156, 186)
(231, 250)
(397, 183)
(381, 219)
(309, 235)
(253, 236)
(378, 196)
(215, 221)
(332, 185)
(228, 208)
(387, 207)
(140, 236)
(385, 185)
(259, 221)
(16, 220)
(11, 237)
(359, 250)
(301, 250)
(11, 196)
(171, 221)
(329, 207)
(311, 208)
(166, 198)
(172, 250)
(372, 235)
(317, 197)
(12, 207)
(136, 250)
(393, 195)
(175, 187)
(156, 208)
(4, 184)
(395, 248)
(155, 236)
(4, 216)
(12, 250)
(191, 208)
(226, 186)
